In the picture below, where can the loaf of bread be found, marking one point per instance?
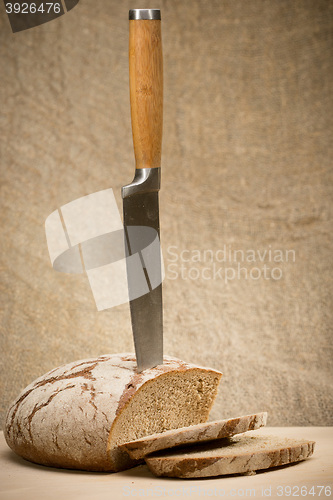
(77, 415)
(242, 454)
(193, 434)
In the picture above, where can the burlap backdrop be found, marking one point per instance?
(247, 153)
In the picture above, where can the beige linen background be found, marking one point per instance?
(247, 153)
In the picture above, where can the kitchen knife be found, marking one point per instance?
(140, 198)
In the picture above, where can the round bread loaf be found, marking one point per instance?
(77, 415)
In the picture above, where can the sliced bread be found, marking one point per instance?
(77, 415)
(195, 433)
(237, 455)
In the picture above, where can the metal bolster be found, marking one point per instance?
(144, 14)
(145, 180)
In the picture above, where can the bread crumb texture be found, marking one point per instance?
(77, 415)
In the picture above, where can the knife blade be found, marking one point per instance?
(140, 198)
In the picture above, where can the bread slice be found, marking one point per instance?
(238, 455)
(195, 433)
(77, 415)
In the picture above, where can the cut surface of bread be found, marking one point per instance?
(237, 455)
(195, 433)
(174, 399)
(76, 415)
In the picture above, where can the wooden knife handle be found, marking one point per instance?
(146, 87)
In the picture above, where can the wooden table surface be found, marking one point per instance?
(22, 480)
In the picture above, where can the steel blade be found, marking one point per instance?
(143, 262)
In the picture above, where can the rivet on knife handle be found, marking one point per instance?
(146, 86)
